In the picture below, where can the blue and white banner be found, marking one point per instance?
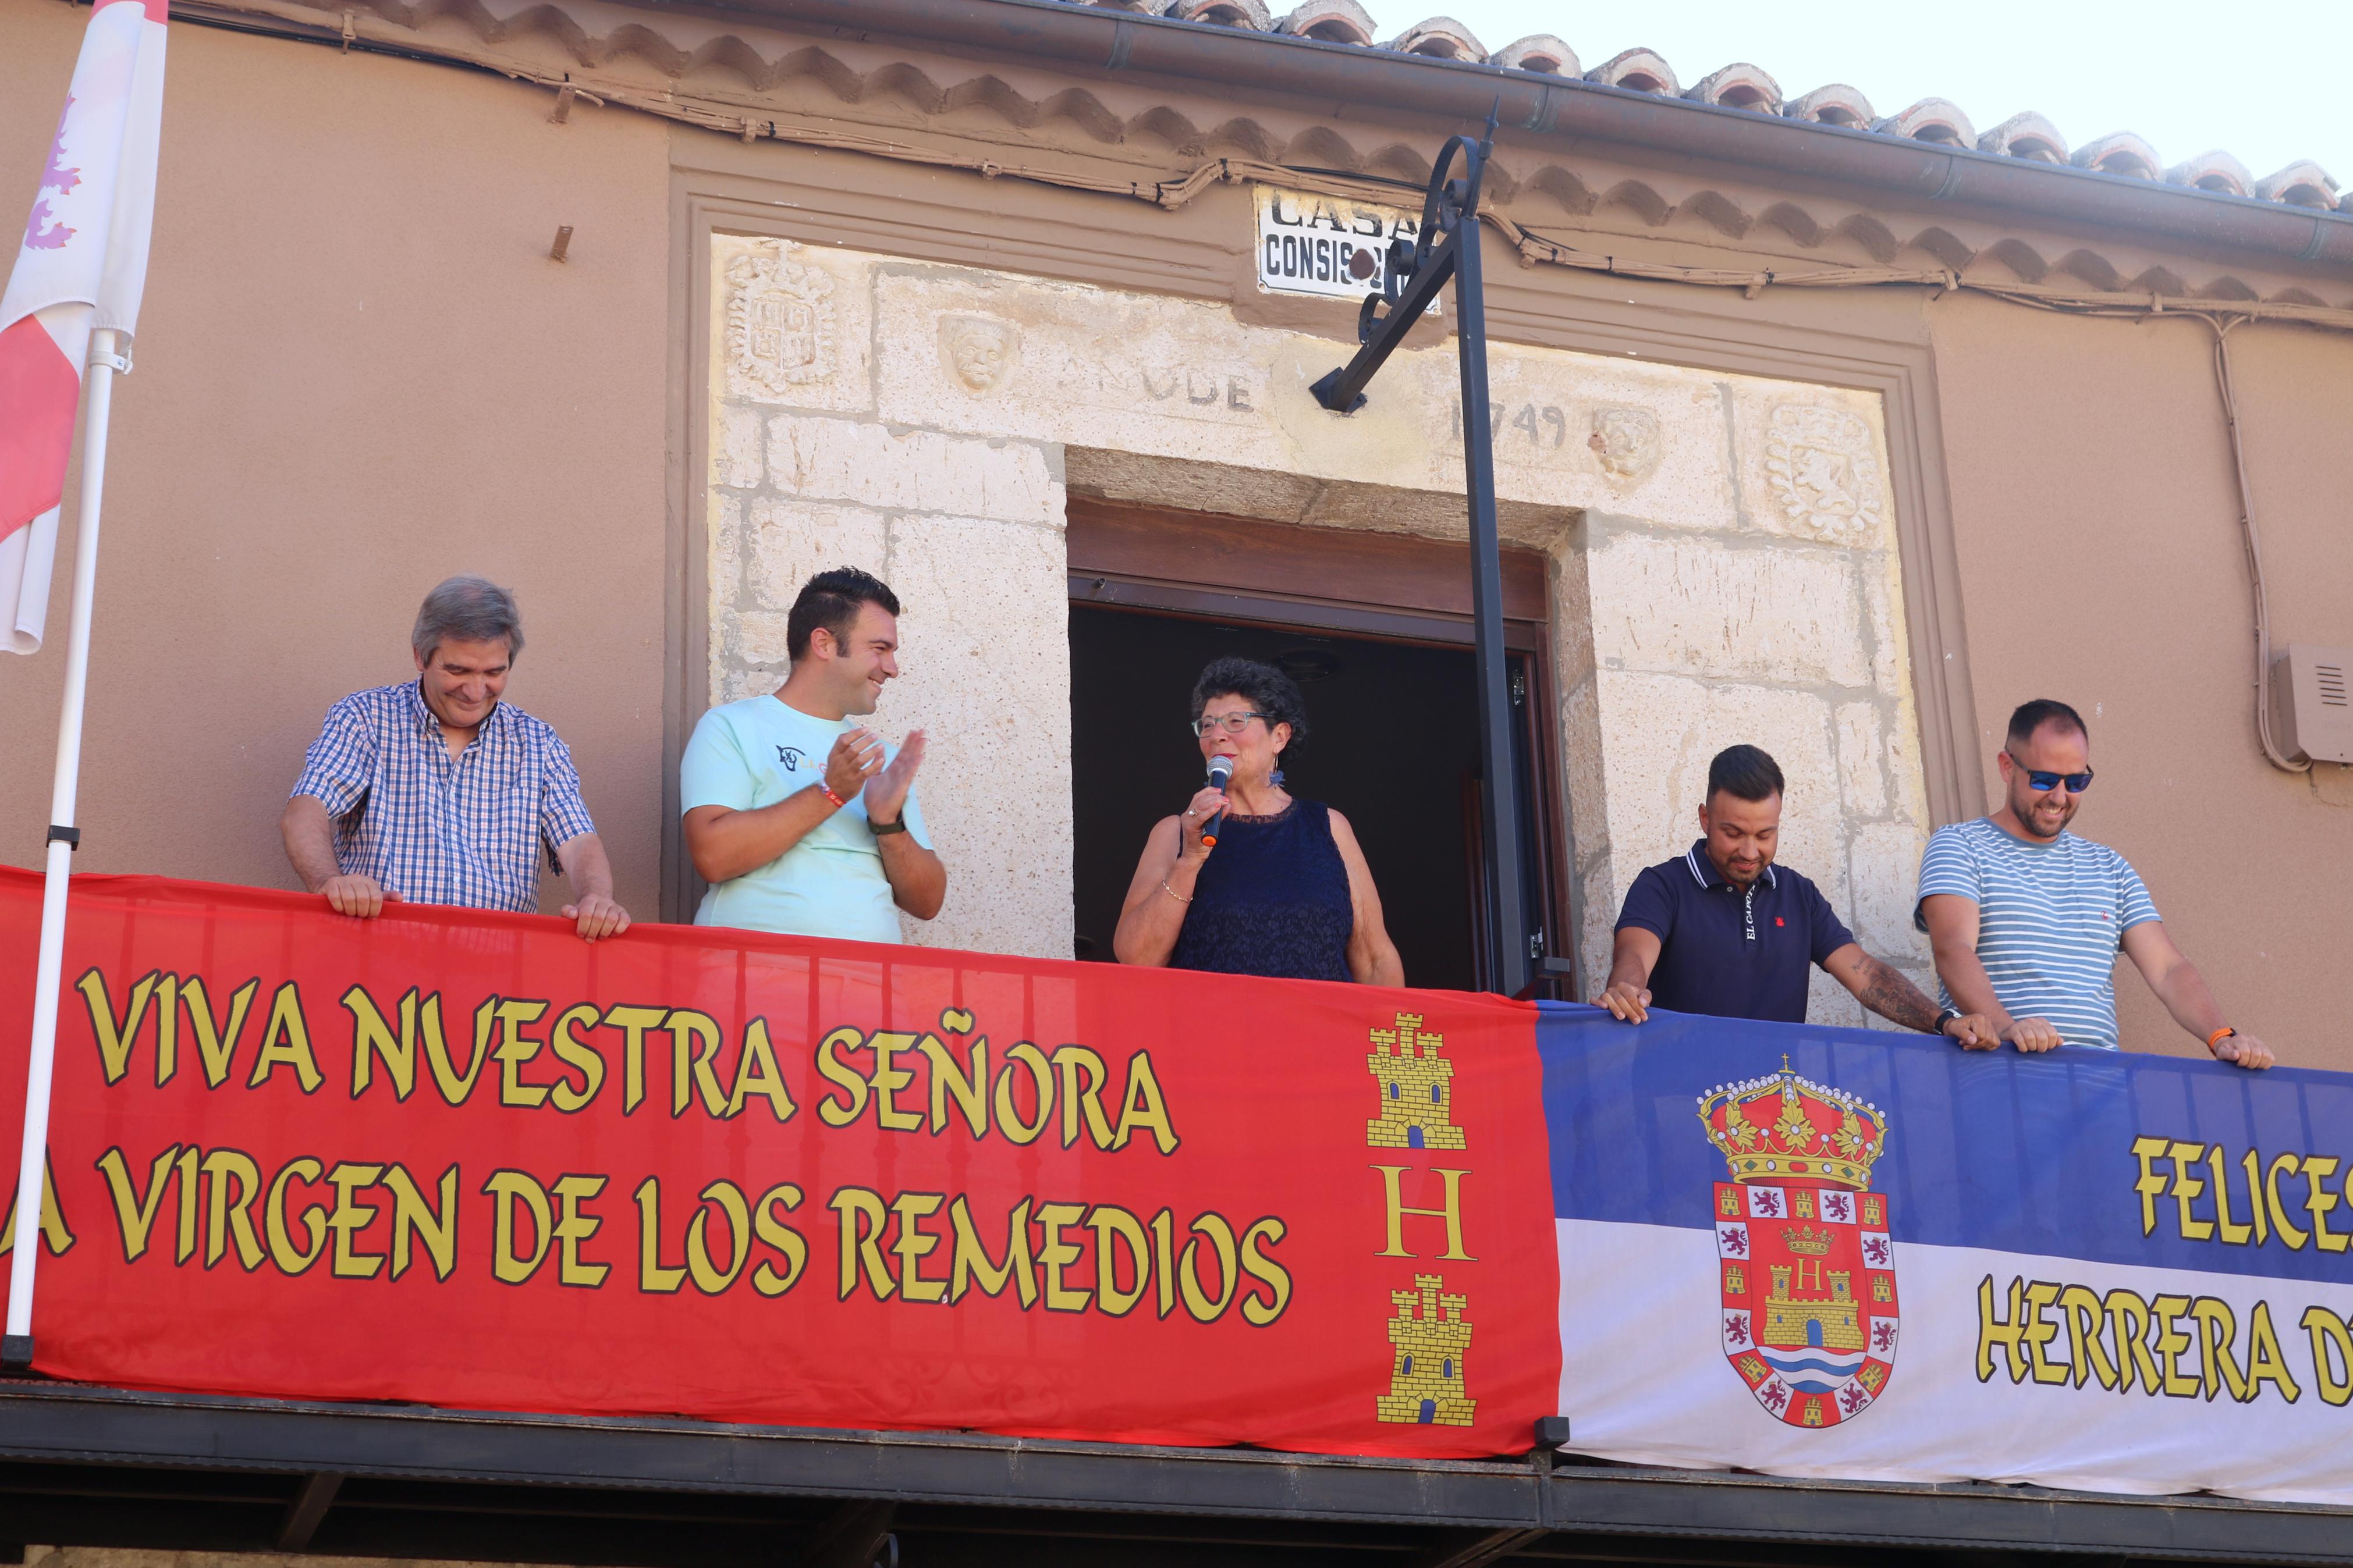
(1812, 1251)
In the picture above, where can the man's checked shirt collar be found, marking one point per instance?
(1704, 873)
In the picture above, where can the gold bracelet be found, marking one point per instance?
(1173, 892)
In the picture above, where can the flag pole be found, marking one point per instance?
(105, 363)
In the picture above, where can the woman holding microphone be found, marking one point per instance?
(1251, 879)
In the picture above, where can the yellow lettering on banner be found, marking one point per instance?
(292, 1259)
(1164, 1260)
(2217, 1331)
(2040, 1331)
(2283, 1165)
(728, 1199)
(2265, 1362)
(889, 1077)
(914, 1243)
(1202, 1307)
(2186, 1188)
(373, 1040)
(1266, 1271)
(1054, 1255)
(186, 1184)
(787, 1241)
(516, 1050)
(2130, 1316)
(1042, 1078)
(572, 1227)
(864, 1218)
(849, 1080)
(286, 1041)
(966, 1084)
(1115, 1227)
(695, 1041)
(453, 1085)
(216, 1039)
(1082, 1102)
(654, 1278)
(1449, 1210)
(2005, 1333)
(2234, 1232)
(2332, 1354)
(1144, 1106)
(2151, 1186)
(414, 1219)
(509, 1189)
(349, 1217)
(2251, 1164)
(53, 1233)
(972, 1262)
(756, 1073)
(2171, 1339)
(115, 1035)
(577, 1054)
(2085, 1317)
(232, 1181)
(167, 1028)
(634, 1024)
(2318, 1199)
(134, 1213)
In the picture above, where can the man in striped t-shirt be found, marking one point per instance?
(2026, 918)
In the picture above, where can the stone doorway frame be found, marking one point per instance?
(1875, 344)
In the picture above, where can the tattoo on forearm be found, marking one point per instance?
(1886, 993)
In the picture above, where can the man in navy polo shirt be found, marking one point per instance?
(1721, 930)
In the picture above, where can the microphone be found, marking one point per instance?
(1222, 772)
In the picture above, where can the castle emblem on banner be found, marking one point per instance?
(1427, 1338)
(1806, 1263)
(1417, 1087)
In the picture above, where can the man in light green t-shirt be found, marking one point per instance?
(801, 821)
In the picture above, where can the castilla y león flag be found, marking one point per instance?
(82, 265)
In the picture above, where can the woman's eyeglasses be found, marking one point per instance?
(2041, 781)
(1234, 723)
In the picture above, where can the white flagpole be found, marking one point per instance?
(105, 363)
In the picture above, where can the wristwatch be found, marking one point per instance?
(883, 828)
(1944, 1017)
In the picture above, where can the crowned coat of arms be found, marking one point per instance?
(1809, 1319)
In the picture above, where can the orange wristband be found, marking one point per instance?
(827, 790)
(2224, 1033)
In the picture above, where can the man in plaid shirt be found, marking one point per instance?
(435, 792)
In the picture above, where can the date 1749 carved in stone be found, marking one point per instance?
(780, 323)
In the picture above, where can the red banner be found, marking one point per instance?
(466, 1159)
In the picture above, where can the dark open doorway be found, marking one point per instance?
(1375, 625)
(1393, 741)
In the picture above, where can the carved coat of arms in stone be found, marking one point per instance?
(979, 351)
(1626, 440)
(780, 323)
(1820, 468)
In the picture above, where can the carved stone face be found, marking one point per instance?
(978, 349)
(1626, 440)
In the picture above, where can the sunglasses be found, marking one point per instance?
(2043, 783)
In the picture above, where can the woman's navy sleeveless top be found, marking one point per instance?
(1270, 900)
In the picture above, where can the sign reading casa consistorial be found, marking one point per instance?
(1329, 246)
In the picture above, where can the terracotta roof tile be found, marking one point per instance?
(1636, 71)
(2028, 136)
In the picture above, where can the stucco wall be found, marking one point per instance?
(1725, 545)
(358, 371)
(2096, 524)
